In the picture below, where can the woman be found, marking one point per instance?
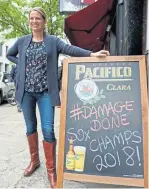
(37, 82)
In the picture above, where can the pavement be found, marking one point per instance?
(14, 154)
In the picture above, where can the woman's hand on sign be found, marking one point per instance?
(101, 53)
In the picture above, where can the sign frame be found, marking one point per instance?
(144, 102)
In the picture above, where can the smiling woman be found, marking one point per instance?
(37, 21)
(38, 83)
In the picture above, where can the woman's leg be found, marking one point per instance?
(49, 144)
(28, 106)
(47, 117)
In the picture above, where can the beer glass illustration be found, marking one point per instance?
(80, 152)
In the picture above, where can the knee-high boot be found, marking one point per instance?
(34, 154)
(50, 155)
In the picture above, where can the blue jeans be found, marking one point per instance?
(46, 110)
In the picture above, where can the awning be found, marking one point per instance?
(87, 28)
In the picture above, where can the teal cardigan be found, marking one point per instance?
(54, 47)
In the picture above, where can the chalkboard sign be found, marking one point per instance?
(103, 131)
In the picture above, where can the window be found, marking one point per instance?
(6, 49)
(6, 67)
(1, 49)
(1, 67)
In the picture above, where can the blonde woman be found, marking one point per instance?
(37, 83)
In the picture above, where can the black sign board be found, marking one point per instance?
(104, 122)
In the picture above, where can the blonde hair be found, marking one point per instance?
(40, 10)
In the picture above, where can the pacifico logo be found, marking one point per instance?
(99, 72)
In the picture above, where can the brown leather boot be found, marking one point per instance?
(50, 155)
(33, 148)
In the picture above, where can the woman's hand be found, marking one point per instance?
(101, 53)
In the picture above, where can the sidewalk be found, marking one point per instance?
(14, 155)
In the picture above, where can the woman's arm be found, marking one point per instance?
(64, 48)
(71, 50)
(12, 53)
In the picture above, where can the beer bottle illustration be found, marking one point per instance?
(70, 156)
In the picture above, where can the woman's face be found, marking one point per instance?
(36, 21)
